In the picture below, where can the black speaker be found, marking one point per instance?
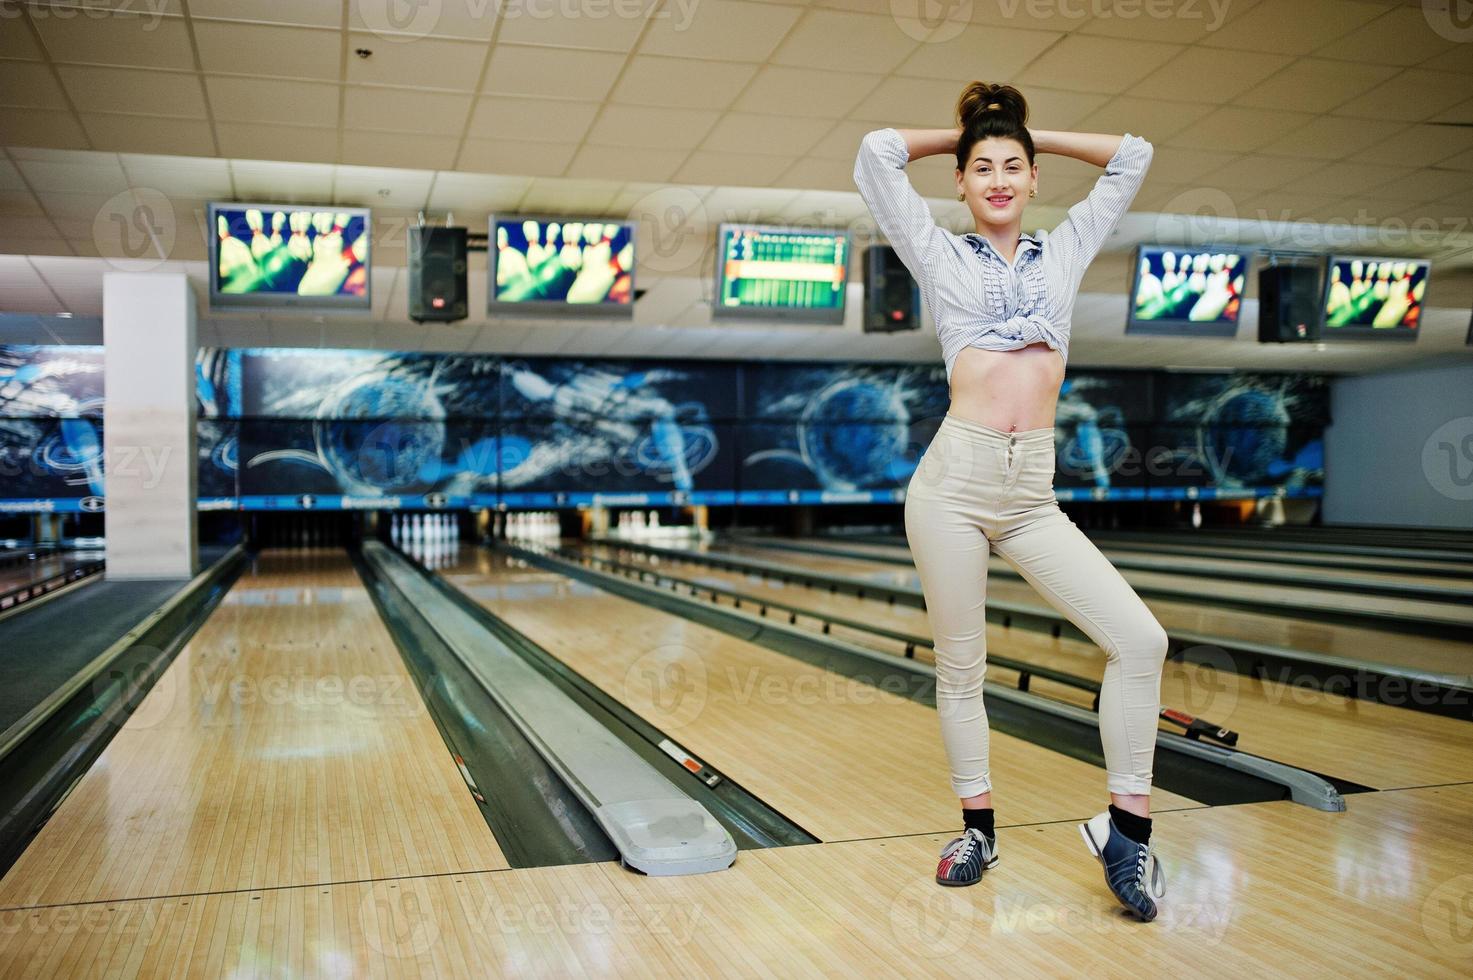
(892, 300)
(437, 274)
(1289, 304)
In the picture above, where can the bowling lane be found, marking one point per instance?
(286, 745)
(1387, 646)
(842, 759)
(1372, 744)
(44, 567)
(1285, 599)
(1196, 565)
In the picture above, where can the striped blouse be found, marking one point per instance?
(976, 298)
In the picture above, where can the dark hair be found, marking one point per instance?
(986, 110)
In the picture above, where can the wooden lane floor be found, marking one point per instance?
(1283, 599)
(1424, 653)
(17, 576)
(285, 746)
(1184, 563)
(1260, 889)
(1372, 744)
(842, 759)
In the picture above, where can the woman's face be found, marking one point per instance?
(997, 180)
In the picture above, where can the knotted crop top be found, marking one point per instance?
(976, 298)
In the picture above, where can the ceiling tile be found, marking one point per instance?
(406, 110)
(1421, 145)
(1298, 27)
(875, 43)
(1455, 60)
(551, 72)
(841, 142)
(308, 13)
(657, 81)
(395, 22)
(505, 156)
(650, 128)
(741, 170)
(1330, 138)
(816, 171)
(415, 150)
(1401, 36)
(180, 175)
(29, 85)
(1257, 172)
(272, 100)
(379, 186)
(1427, 184)
(552, 120)
(619, 162)
(741, 132)
(1239, 128)
(257, 50)
(1154, 119)
(255, 141)
(976, 51)
(600, 28)
(1316, 85)
(730, 30)
(481, 193)
(1176, 165)
(1097, 64)
(274, 182)
(131, 90)
(804, 92)
(145, 42)
(135, 134)
(98, 173)
(1230, 73)
(16, 40)
(427, 63)
(1173, 22)
(1413, 96)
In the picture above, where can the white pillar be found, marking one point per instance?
(148, 333)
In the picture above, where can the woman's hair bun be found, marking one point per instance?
(982, 98)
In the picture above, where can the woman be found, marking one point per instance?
(1002, 301)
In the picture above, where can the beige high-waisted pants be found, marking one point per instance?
(979, 489)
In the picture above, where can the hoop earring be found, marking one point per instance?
(961, 197)
(1032, 192)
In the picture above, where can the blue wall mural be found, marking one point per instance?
(287, 428)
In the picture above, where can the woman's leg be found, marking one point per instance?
(1066, 568)
(950, 553)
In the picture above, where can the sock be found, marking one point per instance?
(981, 819)
(1136, 828)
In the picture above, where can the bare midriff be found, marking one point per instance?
(1011, 390)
